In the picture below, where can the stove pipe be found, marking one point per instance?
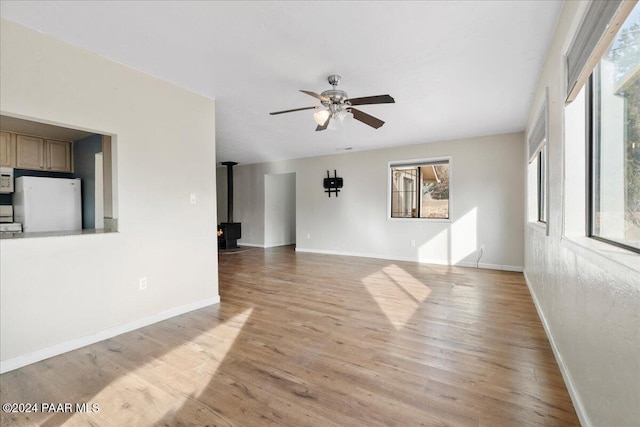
(229, 166)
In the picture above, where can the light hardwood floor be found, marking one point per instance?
(319, 340)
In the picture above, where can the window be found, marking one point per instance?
(614, 140)
(538, 170)
(542, 184)
(420, 189)
(538, 185)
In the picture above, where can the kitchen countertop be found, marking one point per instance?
(11, 236)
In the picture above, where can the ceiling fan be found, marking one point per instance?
(337, 107)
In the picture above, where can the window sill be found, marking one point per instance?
(614, 257)
(419, 220)
(538, 226)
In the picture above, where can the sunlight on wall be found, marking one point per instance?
(187, 369)
(432, 251)
(464, 236)
(397, 293)
(455, 243)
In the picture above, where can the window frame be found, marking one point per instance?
(590, 168)
(538, 153)
(416, 162)
(542, 184)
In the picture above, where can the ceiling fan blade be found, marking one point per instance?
(315, 95)
(323, 126)
(366, 118)
(291, 111)
(378, 99)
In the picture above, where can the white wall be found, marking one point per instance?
(587, 292)
(487, 206)
(57, 292)
(279, 209)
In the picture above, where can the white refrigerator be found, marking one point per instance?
(47, 204)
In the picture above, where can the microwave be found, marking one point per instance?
(6, 180)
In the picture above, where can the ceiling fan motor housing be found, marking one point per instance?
(336, 96)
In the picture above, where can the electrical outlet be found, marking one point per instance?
(193, 199)
(308, 236)
(481, 248)
(142, 283)
(412, 243)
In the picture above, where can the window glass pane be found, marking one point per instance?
(542, 184)
(420, 190)
(403, 192)
(615, 201)
(435, 191)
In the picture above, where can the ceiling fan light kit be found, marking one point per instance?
(345, 116)
(337, 107)
(321, 116)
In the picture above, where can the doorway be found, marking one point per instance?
(279, 209)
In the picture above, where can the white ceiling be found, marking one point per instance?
(455, 68)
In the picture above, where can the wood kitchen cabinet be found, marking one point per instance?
(58, 156)
(43, 154)
(30, 152)
(7, 150)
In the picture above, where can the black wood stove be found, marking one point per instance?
(231, 231)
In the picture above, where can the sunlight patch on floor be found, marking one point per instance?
(397, 293)
(178, 375)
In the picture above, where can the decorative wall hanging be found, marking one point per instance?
(332, 185)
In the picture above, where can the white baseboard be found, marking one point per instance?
(573, 393)
(516, 268)
(265, 246)
(275, 245)
(76, 343)
(253, 245)
(486, 266)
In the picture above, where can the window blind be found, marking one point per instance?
(595, 33)
(538, 132)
